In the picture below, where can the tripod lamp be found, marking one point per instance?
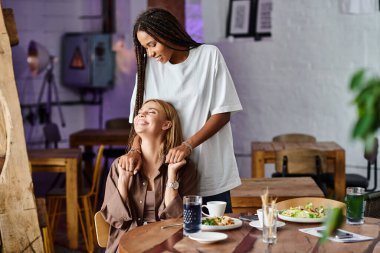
(40, 60)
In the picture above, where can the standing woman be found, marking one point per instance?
(195, 79)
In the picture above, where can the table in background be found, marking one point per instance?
(246, 197)
(289, 239)
(265, 152)
(95, 137)
(65, 161)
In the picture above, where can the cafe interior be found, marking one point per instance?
(304, 136)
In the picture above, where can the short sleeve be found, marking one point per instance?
(224, 95)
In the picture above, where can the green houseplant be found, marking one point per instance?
(366, 87)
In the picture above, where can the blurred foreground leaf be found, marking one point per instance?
(366, 87)
(334, 221)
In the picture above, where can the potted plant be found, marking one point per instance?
(366, 87)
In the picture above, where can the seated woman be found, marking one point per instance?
(156, 191)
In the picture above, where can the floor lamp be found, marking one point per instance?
(40, 60)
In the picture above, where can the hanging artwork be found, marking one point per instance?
(240, 18)
(250, 18)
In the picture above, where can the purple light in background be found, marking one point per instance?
(193, 19)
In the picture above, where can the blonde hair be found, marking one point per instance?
(173, 136)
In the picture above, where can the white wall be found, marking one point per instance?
(295, 82)
(298, 80)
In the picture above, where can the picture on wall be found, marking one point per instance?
(239, 18)
(250, 18)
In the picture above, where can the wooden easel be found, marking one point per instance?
(19, 230)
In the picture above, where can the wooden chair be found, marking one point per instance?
(57, 196)
(102, 230)
(294, 137)
(356, 180)
(328, 203)
(301, 162)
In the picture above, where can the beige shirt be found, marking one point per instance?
(125, 216)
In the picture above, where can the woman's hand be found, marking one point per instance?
(173, 168)
(123, 181)
(131, 161)
(177, 154)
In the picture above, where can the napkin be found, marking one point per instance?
(354, 238)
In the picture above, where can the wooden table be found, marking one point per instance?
(66, 161)
(265, 152)
(94, 137)
(246, 197)
(151, 238)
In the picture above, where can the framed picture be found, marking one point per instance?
(250, 18)
(263, 24)
(240, 18)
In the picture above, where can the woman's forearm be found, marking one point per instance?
(170, 193)
(122, 186)
(136, 144)
(212, 126)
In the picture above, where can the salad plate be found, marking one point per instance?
(236, 224)
(304, 214)
(301, 220)
(208, 237)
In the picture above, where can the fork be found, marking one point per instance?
(171, 225)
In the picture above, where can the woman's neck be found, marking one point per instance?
(179, 56)
(151, 153)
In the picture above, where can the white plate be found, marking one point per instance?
(257, 225)
(301, 220)
(237, 224)
(208, 237)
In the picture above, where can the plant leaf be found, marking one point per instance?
(333, 221)
(357, 79)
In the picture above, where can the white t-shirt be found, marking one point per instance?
(198, 88)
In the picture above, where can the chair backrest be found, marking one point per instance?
(96, 176)
(300, 161)
(371, 157)
(327, 203)
(294, 137)
(102, 230)
(372, 207)
(118, 123)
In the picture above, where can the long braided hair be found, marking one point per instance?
(163, 27)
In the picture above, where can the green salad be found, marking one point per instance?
(307, 211)
(218, 221)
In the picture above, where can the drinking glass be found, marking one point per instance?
(269, 224)
(355, 205)
(192, 214)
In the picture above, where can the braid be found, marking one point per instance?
(162, 26)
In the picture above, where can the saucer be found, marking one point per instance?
(208, 237)
(257, 225)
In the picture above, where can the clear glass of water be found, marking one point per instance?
(355, 205)
(269, 224)
(192, 214)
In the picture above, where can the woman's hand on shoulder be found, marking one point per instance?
(177, 154)
(174, 167)
(130, 162)
(124, 175)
